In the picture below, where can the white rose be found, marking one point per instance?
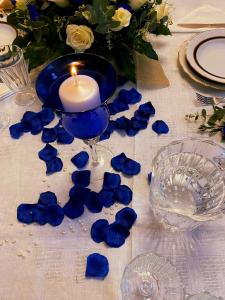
(162, 10)
(79, 37)
(61, 3)
(136, 4)
(123, 16)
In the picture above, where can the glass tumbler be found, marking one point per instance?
(14, 73)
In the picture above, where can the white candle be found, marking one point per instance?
(79, 93)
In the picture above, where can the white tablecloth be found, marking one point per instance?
(45, 263)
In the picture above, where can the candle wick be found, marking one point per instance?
(75, 80)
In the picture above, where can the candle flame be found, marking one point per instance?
(73, 71)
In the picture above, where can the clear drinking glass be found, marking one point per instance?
(151, 277)
(14, 73)
(188, 185)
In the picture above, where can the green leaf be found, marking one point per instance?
(145, 48)
(204, 113)
(162, 30)
(158, 2)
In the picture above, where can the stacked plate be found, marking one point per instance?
(203, 58)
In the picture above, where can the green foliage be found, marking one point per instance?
(45, 39)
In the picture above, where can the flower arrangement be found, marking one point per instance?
(111, 28)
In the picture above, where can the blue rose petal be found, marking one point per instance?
(160, 127)
(118, 161)
(117, 106)
(28, 116)
(131, 167)
(81, 178)
(54, 165)
(126, 217)
(80, 159)
(139, 124)
(54, 215)
(16, 130)
(147, 108)
(111, 181)
(47, 198)
(25, 213)
(79, 193)
(97, 266)
(123, 194)
(98, 230)
(49, 135)
(46, 116)
(74, 208)
(141, 115)
(115, 235)
(149, 177)
(47, 153)
(105, 136)
(39, 214)
(34, 14)
(122, 123)
(36, 126)
(93, 203)
(131, 131)
(130, 97)
(63, 137)
(106, 197)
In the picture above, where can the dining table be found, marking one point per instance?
(45, 262)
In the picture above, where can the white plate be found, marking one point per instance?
(191, 74)
(206, 54)
(7, 34)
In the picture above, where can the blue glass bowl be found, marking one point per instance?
(51, 77)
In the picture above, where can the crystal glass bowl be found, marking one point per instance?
(151, 277)
(188, 185)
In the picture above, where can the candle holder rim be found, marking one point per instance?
(14, 28)
(78, 53)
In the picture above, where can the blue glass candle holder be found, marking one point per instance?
(86, 125)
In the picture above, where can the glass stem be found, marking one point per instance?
(92, 144)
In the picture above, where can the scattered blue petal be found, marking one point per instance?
(141, 115)
(16, 130)
(130, 97)
(131, 131)
(160, 127)
(122, 123)
(93, 203)
(115, 235)
(150, 177)
(54, 215)
(25, 213)
(105, 136)
(48, 153)
(98, 230)
(117, 106)
(80, 160)
(49, 135)
(79, 194)
(74, 208)
(36, 126)
(147, 108)
(81, 178)
(46, 115)
(118, 161)
(63, 137)
(139, 124)
(131, 167)
(126, 217)
(106, 197)
(97, 266)
(54, 165)
(28, 116)
(39, 214)
(111, 181)
(47, 198)
(123, 194)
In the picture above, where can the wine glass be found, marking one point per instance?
(151, 277)
(14, 73)
(187, 187)
(88, 126)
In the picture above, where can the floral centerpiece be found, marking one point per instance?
(112, 28)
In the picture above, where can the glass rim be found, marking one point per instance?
(20, 58)
(81, 53)
(203, 140)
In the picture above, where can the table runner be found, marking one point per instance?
(45, 263)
